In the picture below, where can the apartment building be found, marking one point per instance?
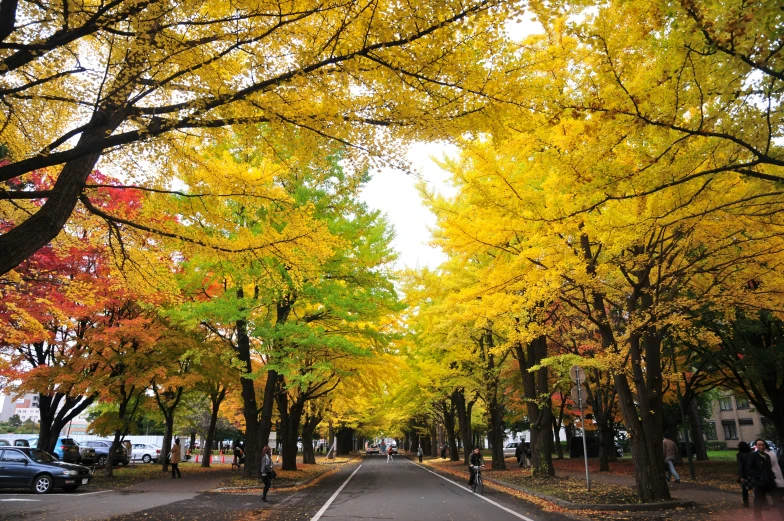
(733, 420)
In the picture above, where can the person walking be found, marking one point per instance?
(443, 451)
(670, 455)
(266, 470)
(519, 453)
(743, 454)
(759, 472)
(779, 477)
(389, 453)
(419, 453)
(176, 457)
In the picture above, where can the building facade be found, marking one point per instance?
(733, 419)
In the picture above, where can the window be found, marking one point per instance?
(710, 431)
(725, 404)
(745, 421)
(730, 429)
(13, 456)
(742, 403)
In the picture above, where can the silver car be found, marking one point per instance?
(146, 452)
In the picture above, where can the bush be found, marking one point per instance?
(716, 445)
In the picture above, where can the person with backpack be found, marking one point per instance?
(389, 453)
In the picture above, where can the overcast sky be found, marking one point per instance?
(394, 192)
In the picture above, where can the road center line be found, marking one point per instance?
(463, 488)
(330, 500)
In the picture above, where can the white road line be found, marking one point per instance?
(464, 489)
(330, 500)
(71, 494)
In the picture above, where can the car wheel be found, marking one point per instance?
(146, 458)
(70, 488)
(43, 484)
(124, 463)
(102, 461)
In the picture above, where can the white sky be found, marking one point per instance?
(394, 192)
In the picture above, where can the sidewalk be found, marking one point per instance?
(188, 484)
(727, 505)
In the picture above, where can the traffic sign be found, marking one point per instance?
(577, 373)
(576, 398)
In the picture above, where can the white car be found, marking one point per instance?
(146, 452)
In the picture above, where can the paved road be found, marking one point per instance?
(400, 490)
(369, 489)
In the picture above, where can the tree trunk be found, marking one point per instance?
(700, 447)
(167, 441)
(448, 409)
(308, 427)
(434, 448)
(540, 414)
(53, 420)
(216, 399)
(464, 422)
(557, 435)
(24, 240)
(606, 446)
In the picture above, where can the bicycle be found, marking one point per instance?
(478, 483)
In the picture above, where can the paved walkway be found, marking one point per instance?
(187, 484)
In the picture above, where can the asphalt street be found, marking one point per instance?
(370, 489)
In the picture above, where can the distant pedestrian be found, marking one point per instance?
(389, 453)
(419, 453)
(759, 471)
(443, 451)
(266, 470)
(670, 455)
(743, 454)
(175, 458)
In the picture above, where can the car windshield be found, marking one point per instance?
(68, 441)
(41, 456)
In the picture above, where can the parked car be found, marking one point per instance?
(510, 448)
(65, 449)
(146, 452)
(102, 447)
(13, 440)
(5, 443)
(24, 467)
(87, 454)
(373, 449)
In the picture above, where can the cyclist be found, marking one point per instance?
(474, 462)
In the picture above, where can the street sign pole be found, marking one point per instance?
(578, 375)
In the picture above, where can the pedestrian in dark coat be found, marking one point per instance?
(419, 453)
(759, 472)
(519, 453)
(743, 454)
(266, 470)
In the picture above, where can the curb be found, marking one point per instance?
(568, 505)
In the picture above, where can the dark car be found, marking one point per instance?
(22, 467)
(65, 449)
(102, 447)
